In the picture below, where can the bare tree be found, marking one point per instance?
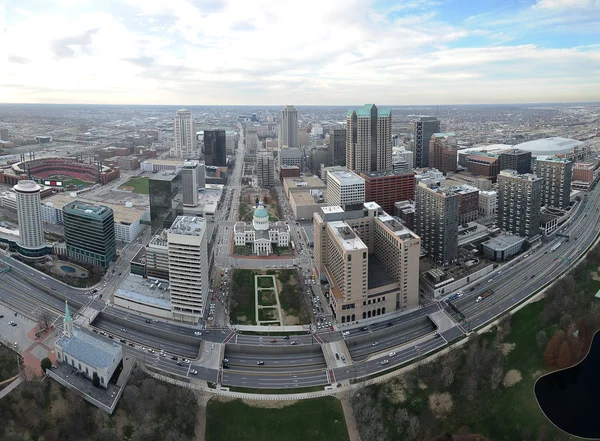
(496, 377)
(447, 376)
(541, 339)
(44, 319)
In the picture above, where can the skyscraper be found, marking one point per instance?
(443, 152)
(369, 139)
(215, 148)
(389, 187)
(345, 188)
(423, 129)
(188, 267)
(29, 214)
(265, 170)
(184, 133)
(436, 219)
(337, 147)
(288, 130)
(557, 174)
(189, 184)
(90, 233)
(519, 203)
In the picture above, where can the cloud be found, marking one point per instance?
(242, 26)
(567, 4)
(17, 59)
(64, 47)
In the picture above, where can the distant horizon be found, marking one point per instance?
(311, 105)
(221, 52)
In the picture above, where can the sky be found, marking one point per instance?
(303, 52)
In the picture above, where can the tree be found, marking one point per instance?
(46, 364)
(541, 339)
(564, 355)
(565, 321)
(96, 380)
(44, 319)
(496, 377)
(551, 351)
(447, 376)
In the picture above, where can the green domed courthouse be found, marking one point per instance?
(262, 234)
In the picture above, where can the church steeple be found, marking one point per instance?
(67, 322)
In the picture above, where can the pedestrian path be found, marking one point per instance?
(8, 389)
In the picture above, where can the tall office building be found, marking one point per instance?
(265, 170)
(157, 256)
(369, 139)
(368, 257)
(164, 191)
(184, 134)
(519, 202)
(29, 214)
(288, 129)
(515, 159)
(423, 129)
(389, 187)
(189, 184)
(188, 267)
(251, 141)
(437, 219)
(337, 147)
(90, 233)
(443, 152)
(201, 176)
(215, 148)
(557, 174)
(344, 188)
(230, 141)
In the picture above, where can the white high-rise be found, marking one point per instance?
(184, 134)
(288, 130)
(29, 214)
(188, 267)
(344, 188)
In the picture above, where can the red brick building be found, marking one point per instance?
(484, 164)
(388, 187)
(443, 153)
(289, 171)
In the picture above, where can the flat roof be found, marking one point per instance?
(165, 161)
(332, 209)
(138, 289)
(346, 236)
(345, 177)
(304, 198)
(383, 174)
(188, 225)
(304, 181)
(122, 213)
(372, 205)
(503, 241)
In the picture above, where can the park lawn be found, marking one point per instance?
(319, 419)
(269, 314)
(266, 297)
(243, 300)
(140, 185)
(265, 282)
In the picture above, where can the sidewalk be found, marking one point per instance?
(8, 389)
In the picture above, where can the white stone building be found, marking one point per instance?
(262, 234)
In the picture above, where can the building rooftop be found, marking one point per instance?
(140, 257)
(150, 291)
(553, 159)
(304, 181)
(122, 213)
(365, 111)
(383, 174)
(332, 209)
(159, 239)
(396, 227)
(345, 177)
(177, 162)
(515, 174)
(346, 236)
(483, 156)
(188, 226)
(303, 198)
(84, 208)
(372, 205)
(89, 349)
(503, 241)
(27, 186)
(165, 175)
(444, 134)
(550, 146)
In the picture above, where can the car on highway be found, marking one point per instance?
(273, 340)
(293, 342)
(193, 372)
(197, 333)
(346, 333)
(148, 321)
(375, 343)
(260, 363)
(479, 299)
(384, 362)
(53, 288)
(180, 363)
(392, 354)
(286, 337)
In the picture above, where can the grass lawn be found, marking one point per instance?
(242, 302)
(267, 314)
(242, 250)
(265, 282)
(266, 297)
(321, 419)
(139, 184)
(67, 180)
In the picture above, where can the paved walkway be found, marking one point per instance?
(351, 425)
(8, 389)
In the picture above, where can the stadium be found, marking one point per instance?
(555, 146)
(89, 173)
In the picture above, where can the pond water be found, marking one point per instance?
(68, 269)
(569, 397)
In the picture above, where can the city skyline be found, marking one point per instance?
(420, 53)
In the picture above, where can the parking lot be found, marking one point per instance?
(15, 334)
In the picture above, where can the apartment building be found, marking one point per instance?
(188, 267)
(519, 203)
(488, 202)
(468, 203)
(388, 187)
(265, 170)
(443, 152)
(557, 174)
(437, 219)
